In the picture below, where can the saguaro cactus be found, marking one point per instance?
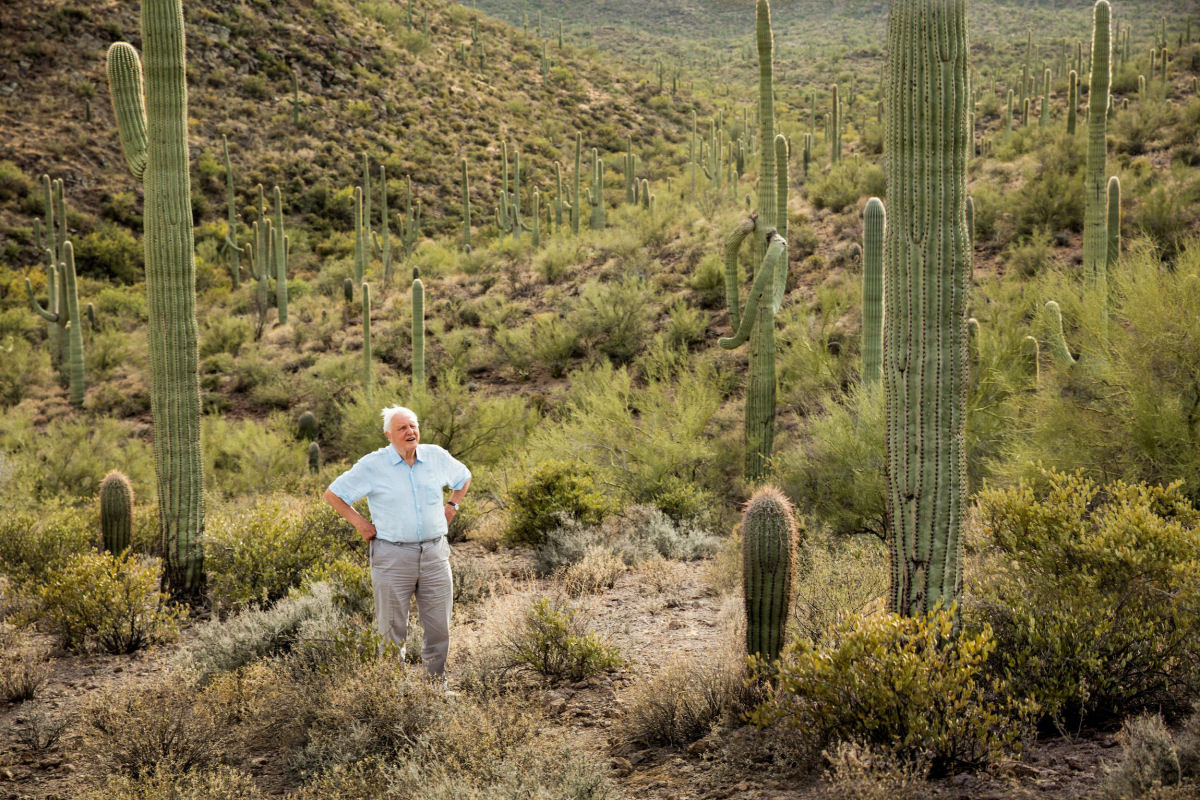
(280, 245)
(1113, 223)
(153, 133)
(770, 278)
(874, 219)
(1095, 227)
(368, 371)
(418, 333)
(1072, 101)
(768, 566)
(926, 272)
(67, 317)
(116, 512)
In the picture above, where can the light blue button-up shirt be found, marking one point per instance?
(405, 502)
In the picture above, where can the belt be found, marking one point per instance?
(422, 541)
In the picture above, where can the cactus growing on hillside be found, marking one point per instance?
(769, 539)
(153, 135)
(368, 372)
(307, 425)
(410, 223)
(630, 163)
(235, 267)
(874, 220)
(67, 317)
(835, 127)
(926, 272)
(1072, 101)
(314, 457)
(1113, 223)
(595, 193)
(770, 278)
(1095, 236)
(418, 333)
(1055, 337)
(116, 512)
(384, 243)
(280, 262)
(360, 244)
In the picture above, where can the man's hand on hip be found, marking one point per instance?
(451, 512)
(366, 530)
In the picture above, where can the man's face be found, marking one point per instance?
(403, 433)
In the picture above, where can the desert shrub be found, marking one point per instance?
(554, 342)
(37, 544)
(256, 633)
(25, 368)
(14, 183)
(1087, 595)
(613, 316)
(110, 601)
(686, 325)
(709, 280)
(1149, 759)
(1166, 212)
(640, 439)
(871, 772)
(553, 490)
(139, 726)
(224, 334)
(837, 578)
(249, 456)
(255, 552)
(683, 700)
(553, 640)
(478, 430)
(349, 577)
(110, 252)
(165, 782)
(907, 684)
(836, 476)
(845, 183)
(1029, 256)
(598, 570)
(1050, 198)
(24, 666)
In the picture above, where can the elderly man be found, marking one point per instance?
(406, 535)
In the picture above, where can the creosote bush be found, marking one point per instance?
(1092, 595)
(684, 700)
(109, 601)
(908, 684)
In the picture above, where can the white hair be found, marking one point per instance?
(388, 413)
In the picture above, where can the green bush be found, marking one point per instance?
(906, 684)
(553, 641)
(14, 183)
(25, 368)
(1051, 197)
(38, 543)
(554, 490)
(845, 184)
(111, 252)
(256, 551)
(110, 601)
(1029, 256)
(613, 317)
(1092, 595)
(248, 456)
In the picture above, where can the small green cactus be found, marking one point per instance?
(116, 512)
(769, 539)
(314, 457)
(1055, 337)
(307, 424)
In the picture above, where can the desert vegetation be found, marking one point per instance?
(830, 381)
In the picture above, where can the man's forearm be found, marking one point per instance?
(457, 495)
(348, 513)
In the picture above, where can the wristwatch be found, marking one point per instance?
(453, 504)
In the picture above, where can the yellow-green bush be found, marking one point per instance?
(36, 543)
(1093, 595)
(110, 601)
(908, 684)
(256, 551)
(553, 640)
(554, 489)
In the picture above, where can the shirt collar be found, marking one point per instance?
(395, 458)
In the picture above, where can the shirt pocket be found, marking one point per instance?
(433, 496)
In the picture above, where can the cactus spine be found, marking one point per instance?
(154, 138)
(926, 274)
(1095, 237)
(874, 220)
(116, 512)
(418, 333)
(769, 537)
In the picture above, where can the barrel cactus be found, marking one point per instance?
(116, 512)
(153, 130)
(926, 276)
(769, 538)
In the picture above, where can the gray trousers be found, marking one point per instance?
(399, 571)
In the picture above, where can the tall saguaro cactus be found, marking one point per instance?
(872, 292)
(757, 323)
(418, 333)
(1095, 189)
(153, 131)
(926, 272)
(65, 314)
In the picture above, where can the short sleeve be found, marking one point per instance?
(355, 483)
(454, 471)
